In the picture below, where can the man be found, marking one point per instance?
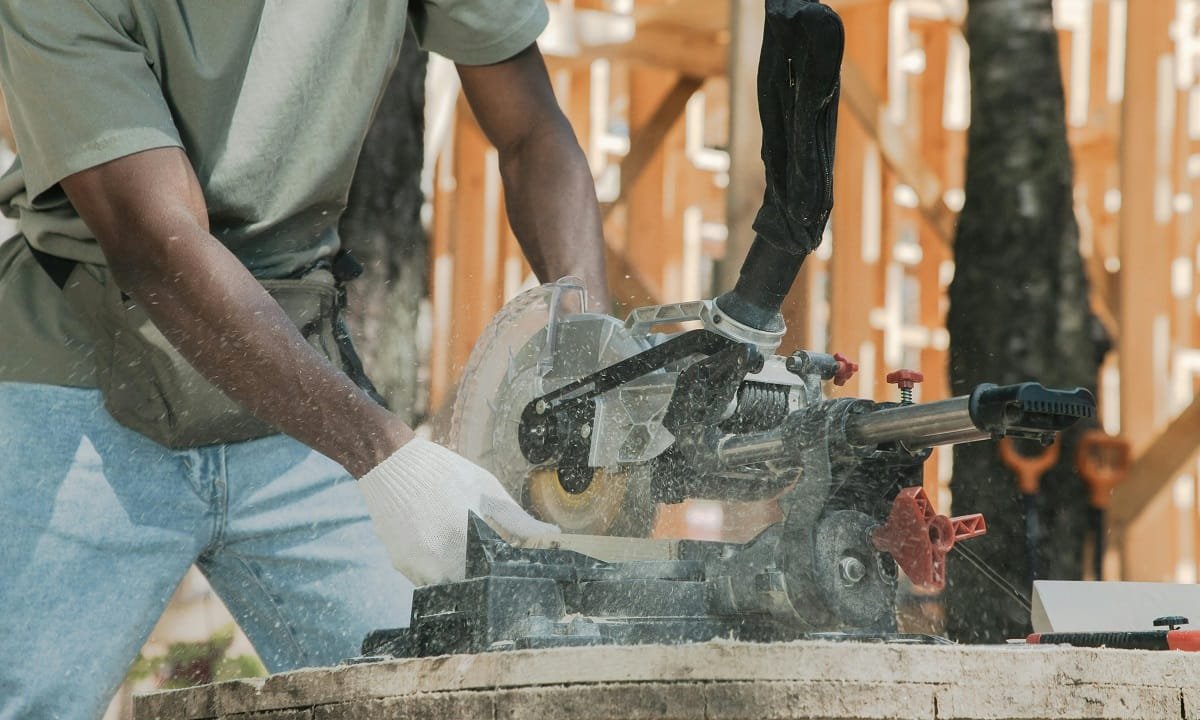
(172, 153)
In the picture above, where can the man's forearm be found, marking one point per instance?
(552, 208)
(149, 217)
(220, 318)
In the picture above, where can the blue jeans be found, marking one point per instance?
(98, 525)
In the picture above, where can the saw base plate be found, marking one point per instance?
(519, 598)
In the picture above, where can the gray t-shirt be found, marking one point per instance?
(270, 99)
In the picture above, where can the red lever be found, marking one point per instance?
(919, 539)
(845, 369)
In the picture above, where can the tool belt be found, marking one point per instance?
(149, 387)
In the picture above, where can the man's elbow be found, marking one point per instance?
(547, 145)
(143, 252)
(142, 209)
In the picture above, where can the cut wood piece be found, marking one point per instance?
(607, 549)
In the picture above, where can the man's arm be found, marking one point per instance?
(149, 216)
(548, 187)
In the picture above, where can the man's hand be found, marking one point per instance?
(549, 193)
(419, 498)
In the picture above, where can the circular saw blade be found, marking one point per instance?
(517, 359)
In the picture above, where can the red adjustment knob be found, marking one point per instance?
(905, 379)
(919, 539)
(845, 369)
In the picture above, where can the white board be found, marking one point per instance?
(1079, 606)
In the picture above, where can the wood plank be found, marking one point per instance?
(634, 282)
(1141, 236)
(899, 154)
(648, 138)
(1155, 467)
(473, 302)
(668, 47)
(932, 146)
(747, 179)
(441, 282)
(701, 15)
(629, 286)
(854, 278)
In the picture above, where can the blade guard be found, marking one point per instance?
(919, 539)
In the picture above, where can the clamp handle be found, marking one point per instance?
(1029, 469)
(1103, 461)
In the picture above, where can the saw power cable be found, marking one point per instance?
(986, 570)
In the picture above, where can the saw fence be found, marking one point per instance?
(661, 93)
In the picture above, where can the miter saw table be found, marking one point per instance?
(592, 423)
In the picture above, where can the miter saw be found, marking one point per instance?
(592, 423)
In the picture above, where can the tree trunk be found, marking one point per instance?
(1018, 305)
(382, 227)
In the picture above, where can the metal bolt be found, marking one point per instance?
(540, 407)
(852, 570)
(585, 432)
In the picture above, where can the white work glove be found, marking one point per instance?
(418, 500)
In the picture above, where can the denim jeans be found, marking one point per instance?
(98, 525)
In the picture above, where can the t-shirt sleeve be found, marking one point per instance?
(478, 32)
(80, 89)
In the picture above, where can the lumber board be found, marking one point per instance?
(1157, 465)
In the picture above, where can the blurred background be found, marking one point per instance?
(1014, 200)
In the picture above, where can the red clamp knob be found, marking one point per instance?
(919, 539)
(845, 369)
(905, 379)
